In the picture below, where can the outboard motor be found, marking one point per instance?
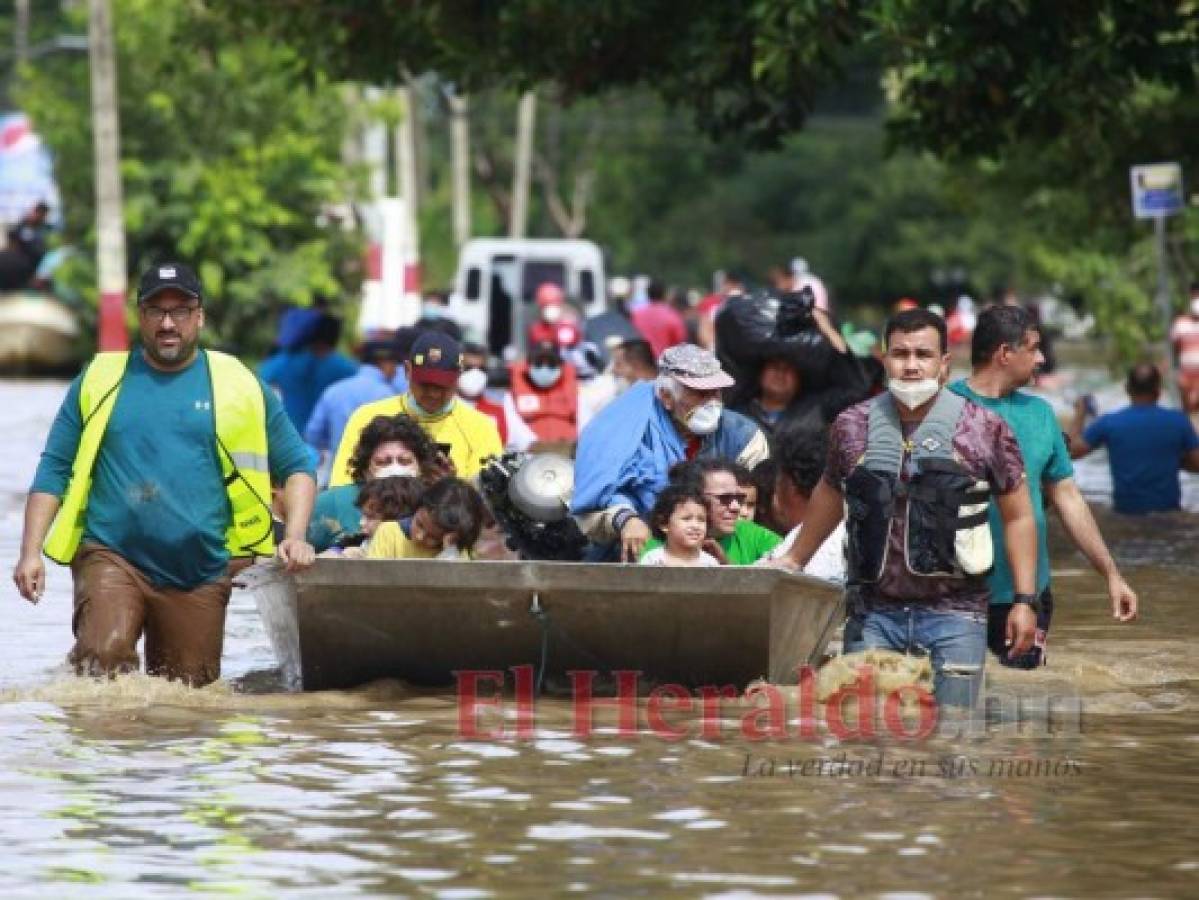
(530, 499)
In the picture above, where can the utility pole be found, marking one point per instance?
(460, 154)
(1162, 295)
(525, 122)
(110, 222)
(21, 33)
(407, 178)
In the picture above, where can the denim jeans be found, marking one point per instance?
(955, 642)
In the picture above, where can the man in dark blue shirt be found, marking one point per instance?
(1146, 446)
(157, 470)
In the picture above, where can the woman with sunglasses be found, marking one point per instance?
(731, 539)
(389, 445)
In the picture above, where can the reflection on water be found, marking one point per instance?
(142, 788)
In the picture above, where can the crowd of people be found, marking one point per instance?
(694, 444)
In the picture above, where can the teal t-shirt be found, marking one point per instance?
(334, 515)
(748, 543)
(1046, 459)
(157, 497)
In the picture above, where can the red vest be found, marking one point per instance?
(496, 411)
(553, 413)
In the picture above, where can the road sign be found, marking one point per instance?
(1157, 190)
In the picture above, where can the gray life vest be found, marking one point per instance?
(947, 530)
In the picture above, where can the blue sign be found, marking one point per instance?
(1157, 190)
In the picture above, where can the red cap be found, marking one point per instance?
(436, 358)
(549, 294)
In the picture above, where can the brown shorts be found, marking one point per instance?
(114, 603)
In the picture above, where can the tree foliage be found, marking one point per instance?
(1039, 105)
(230, 153)
(1011, 127)
(754, 67)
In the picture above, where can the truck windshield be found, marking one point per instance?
(537, 272)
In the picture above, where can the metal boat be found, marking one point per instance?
(37, 333)
(343, 623)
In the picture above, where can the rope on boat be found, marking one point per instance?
(537, 611)
(542, 615)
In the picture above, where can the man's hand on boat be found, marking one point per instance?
(30, 576)
(295, 554)
(633, 536)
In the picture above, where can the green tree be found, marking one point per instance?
(1040, 105)
(230, 158)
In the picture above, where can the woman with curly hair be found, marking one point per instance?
(388, 445)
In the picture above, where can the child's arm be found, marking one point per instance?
(713, 549)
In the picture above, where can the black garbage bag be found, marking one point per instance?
(752, 328)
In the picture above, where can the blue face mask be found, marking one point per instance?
(422, 413)
(430, 311)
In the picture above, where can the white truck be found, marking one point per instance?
(497, 279)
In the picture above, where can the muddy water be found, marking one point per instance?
(139, 788)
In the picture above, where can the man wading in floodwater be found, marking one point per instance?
(918, 466)
(1005, 352)
(157, 471)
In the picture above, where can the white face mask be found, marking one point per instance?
(544, 376)
(396, 470)
(551, 314)
(472, 383)
(914, 393)
(705, 418)
(1195, 306)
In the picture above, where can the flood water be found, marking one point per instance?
(139, 788)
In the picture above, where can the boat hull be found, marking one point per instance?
(343, 623)
(37, 334)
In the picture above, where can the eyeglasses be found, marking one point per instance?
(729, 499)
(180, 315)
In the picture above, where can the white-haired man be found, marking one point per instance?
(626, 451)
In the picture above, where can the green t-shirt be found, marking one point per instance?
(1046, 459)
(748, 543)
(157, 497)
(334, 515)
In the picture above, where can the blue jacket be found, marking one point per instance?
(626, 451)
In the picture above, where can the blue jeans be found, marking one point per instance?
(955, 642)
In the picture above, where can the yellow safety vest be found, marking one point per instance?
(240, 413)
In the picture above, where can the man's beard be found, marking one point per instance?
(169, 357)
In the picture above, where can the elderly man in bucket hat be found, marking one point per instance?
(626, 451)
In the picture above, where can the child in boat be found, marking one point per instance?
(381, 500)
(445, 525)
(680, 520)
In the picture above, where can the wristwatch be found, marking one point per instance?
(621, 519)
(1031, 600)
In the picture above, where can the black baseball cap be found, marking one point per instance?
(545, 351)
(374, 352)
(436, 358)
(169, 276)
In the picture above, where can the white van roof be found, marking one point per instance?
(502, 245)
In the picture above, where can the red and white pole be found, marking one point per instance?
(106, 137)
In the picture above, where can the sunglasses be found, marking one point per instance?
(730, 498)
